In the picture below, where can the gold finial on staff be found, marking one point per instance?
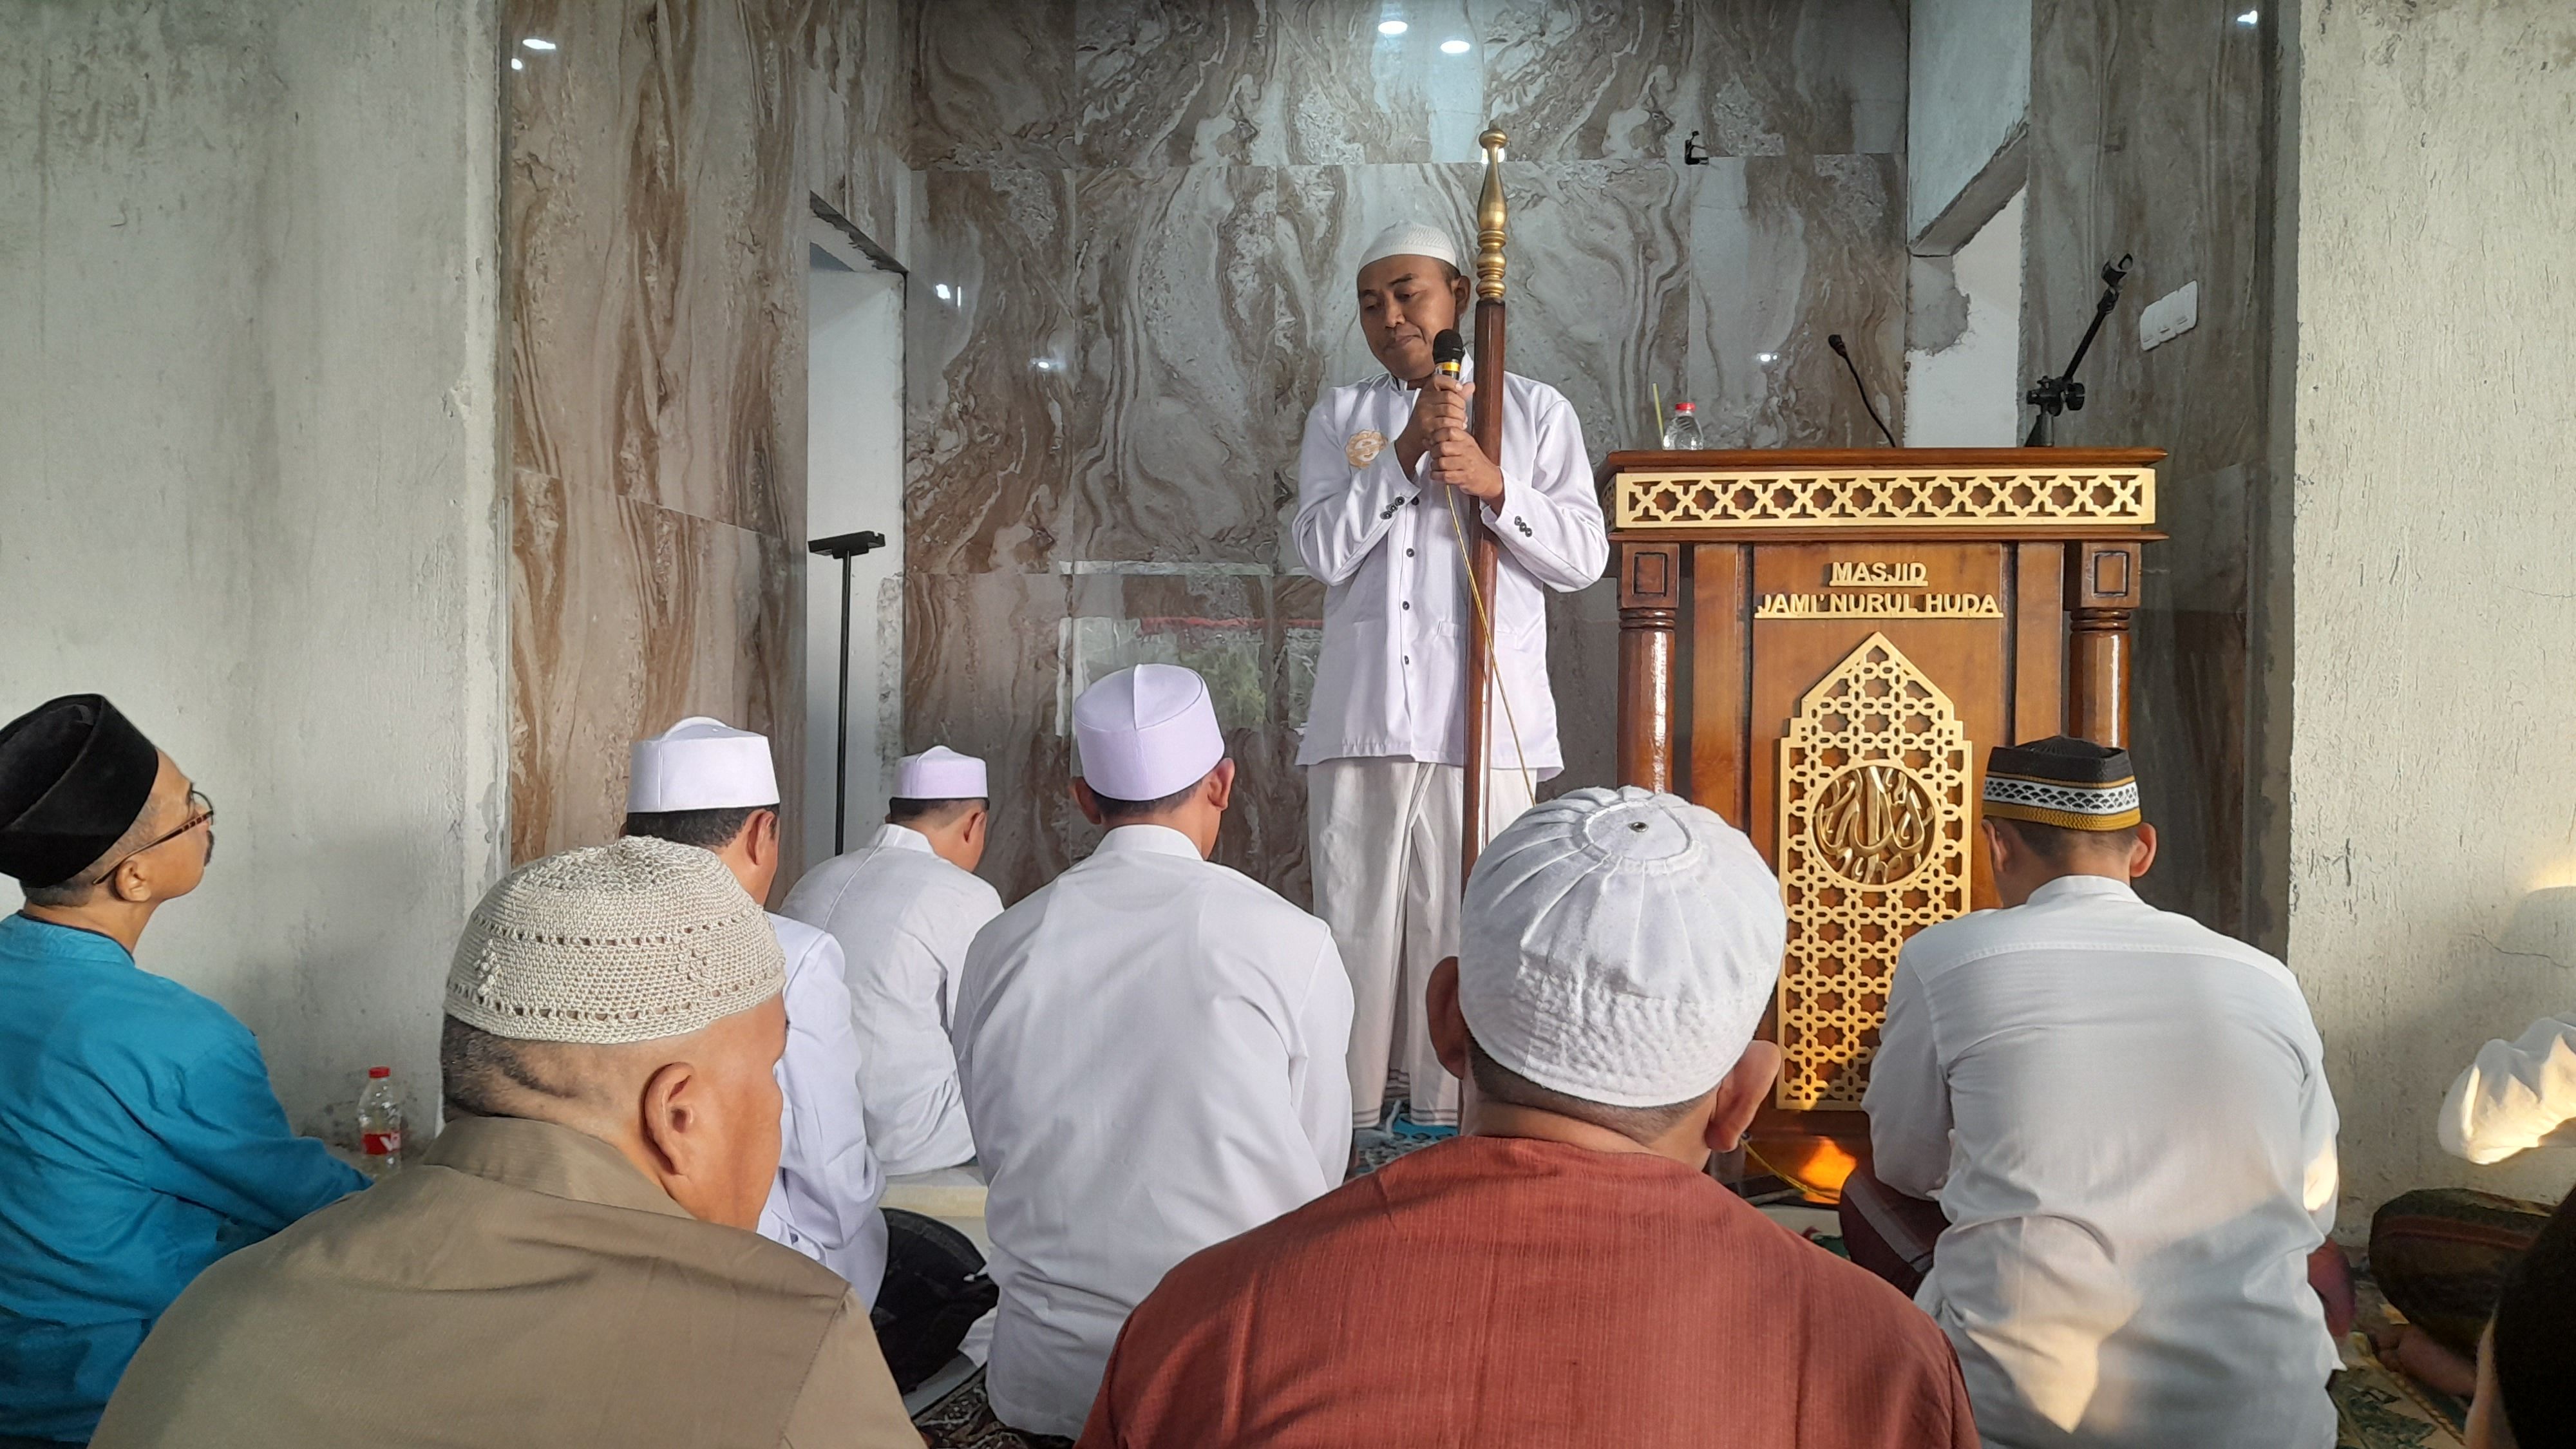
(1489, 220)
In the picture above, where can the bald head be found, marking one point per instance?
(697, 1114)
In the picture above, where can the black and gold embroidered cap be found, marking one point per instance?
(2062, 781)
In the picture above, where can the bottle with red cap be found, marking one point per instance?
(380, 1123)
(1682, 433)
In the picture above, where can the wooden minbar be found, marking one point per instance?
(1821, 646)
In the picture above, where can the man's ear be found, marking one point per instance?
(1462, 290)
(1740, 1094)
(1448, 1024)
(2142, 851)
(1219, 785)
(673, 1121)
(971, 829)
(761, 836)
(1087, 802)
(2001, 847)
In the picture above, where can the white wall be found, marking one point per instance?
(853, 481)
(1963, 341)
(2433, 787)
(1967, 101)
(249, 475)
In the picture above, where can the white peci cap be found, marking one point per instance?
(939, 773)
(1414, 239)
(1620, 947)
(631, 941)
(700, 764)
(1146, 732)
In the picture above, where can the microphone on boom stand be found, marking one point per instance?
(1835, 341)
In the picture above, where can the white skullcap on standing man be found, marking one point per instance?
(1390, 483)
(1150, 1046)
(704, 783)
(905, 906)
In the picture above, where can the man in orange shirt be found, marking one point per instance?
(1565, 1272)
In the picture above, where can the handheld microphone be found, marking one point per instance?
(1448, 350)
(1835, 341)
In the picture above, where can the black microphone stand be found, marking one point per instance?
(2063, 393)
(844, 546)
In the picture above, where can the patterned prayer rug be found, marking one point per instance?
(2376, 1407)
(962, 1419)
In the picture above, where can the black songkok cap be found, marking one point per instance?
(74, 776)
(2062, 781)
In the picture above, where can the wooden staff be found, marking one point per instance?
(1485, 420)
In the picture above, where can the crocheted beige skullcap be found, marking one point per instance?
(633, 941)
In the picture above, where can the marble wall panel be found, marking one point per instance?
(2169, 163)
(1797, 250)
(1148, 243)
(861, 117)
(649, 192)
(625, 617)
(1596, 79)
(993, 84)
(1273, 83)
(661, 157)
(987, 462)
(1183, 437)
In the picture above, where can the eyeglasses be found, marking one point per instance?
(201, 811)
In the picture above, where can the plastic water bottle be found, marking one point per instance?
(1681, 435)
(380, 1123)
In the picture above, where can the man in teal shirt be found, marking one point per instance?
(139, 1137)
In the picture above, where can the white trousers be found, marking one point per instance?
(1382, 836)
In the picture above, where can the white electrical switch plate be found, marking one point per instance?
(2169, 316)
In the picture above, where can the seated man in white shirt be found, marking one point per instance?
(2124, 1117)
(905, 906)
(706, 784)
(2441, 1254)
(1151, 1047)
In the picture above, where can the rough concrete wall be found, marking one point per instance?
(2433, 809)
(1967, 97)
(2148, 136)
(1963, 341)
(248, 453)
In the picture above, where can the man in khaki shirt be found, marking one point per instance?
(572, 1263)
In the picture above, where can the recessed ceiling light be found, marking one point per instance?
(1766, 357)
(2249, 17)
(517, 64)
(536, 43)
(1455, 47)
(1391, 27)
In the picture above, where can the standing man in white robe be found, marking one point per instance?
(1151, 1047)
(905, 907)
(1386, 474)
(2124, 1116)
(706, 784)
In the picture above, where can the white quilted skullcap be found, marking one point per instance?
(939, 773)
(632, 941)
(1414, 239)
(700, 764)
(1146, 732)
(1620, 946)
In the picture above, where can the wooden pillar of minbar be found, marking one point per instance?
(2101, 592)
(1650, 589)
